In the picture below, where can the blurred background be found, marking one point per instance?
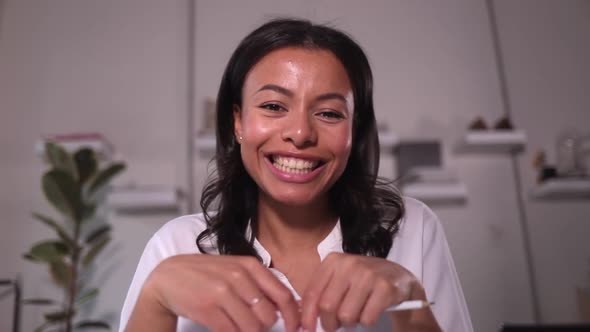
(513, 195)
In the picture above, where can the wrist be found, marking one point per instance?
(151, 298)
(418, 292)
(149, 313)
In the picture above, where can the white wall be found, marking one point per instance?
(119, 67)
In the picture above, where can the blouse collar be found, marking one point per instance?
(331, 243)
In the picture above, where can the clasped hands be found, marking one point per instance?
(238, 293)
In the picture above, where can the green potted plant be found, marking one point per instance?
(76, 186)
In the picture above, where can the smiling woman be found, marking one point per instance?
(297, 232)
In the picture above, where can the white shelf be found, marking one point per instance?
(563, 189)
(74, 142)
(145, 198)
(431, 175)
(206, 141)
(436, 192)
(500, 141)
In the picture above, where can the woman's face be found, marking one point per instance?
(295, 124)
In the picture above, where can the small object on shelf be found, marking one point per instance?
(417, 154)
(563, 188)
(145, 198)
(493, 141)
(569, 158)
(504, 123)
(75, 141)
(478, 124)
(545, 172)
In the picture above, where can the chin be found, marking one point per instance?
(295, 200)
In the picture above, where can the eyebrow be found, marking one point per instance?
(290, 94)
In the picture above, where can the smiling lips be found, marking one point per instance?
(295, 170)
(294, 165)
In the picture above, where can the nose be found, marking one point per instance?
(299, 129)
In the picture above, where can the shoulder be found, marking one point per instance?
(418, 217)
(178, 236)
(417, 229)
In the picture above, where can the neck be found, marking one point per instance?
(293, 229)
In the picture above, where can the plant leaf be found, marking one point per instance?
(49, 251)
(95, 250)
(92, 324)
(103, 178)
(39, 302)
(88, 212)
(57, 316)
(57, 228)
(63, 192)
(98, 233)
(60, 273)
(87, 296)
(59, 158)
(86, 163)
(30, 257)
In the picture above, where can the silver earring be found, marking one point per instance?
(240, 138)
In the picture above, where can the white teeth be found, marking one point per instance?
(294, 165)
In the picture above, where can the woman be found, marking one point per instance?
(303, 236)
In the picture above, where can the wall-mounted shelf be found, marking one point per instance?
(139, 199)
(493, 141)
(205, 142)
(431, 174)
(563, 189)
(436, 192)
(73, 142)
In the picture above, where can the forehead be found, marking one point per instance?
(299, 67)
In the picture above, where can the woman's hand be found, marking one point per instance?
(223, 293)
(352, 289)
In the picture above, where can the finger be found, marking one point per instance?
(265, 311)
(352, 306)
(329, 303)
(240, 313)
(249, 291)
(313, 294)
(275, 291)
(377, 302)
(217, 320)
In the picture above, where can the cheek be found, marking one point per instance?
(342, 145)
(255, 129)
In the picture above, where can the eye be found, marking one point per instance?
(273, 107)
(331, 115)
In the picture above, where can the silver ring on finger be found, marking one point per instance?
(254, 301)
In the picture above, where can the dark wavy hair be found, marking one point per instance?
(369, 208)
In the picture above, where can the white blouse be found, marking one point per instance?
(420, 246)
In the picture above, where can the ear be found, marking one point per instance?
(237, 122)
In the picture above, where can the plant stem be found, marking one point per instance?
(73, 286)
